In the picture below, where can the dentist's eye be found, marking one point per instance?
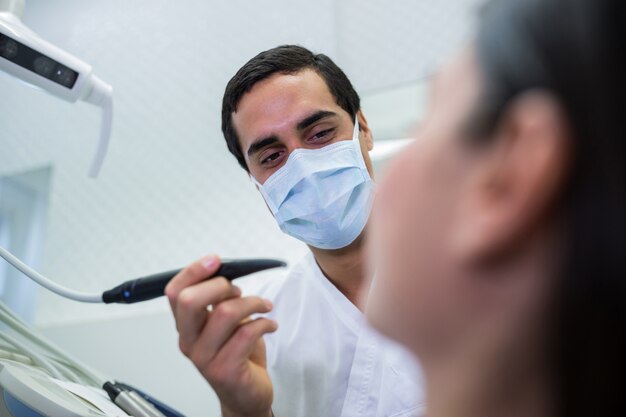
(272, 158)
(324, 134)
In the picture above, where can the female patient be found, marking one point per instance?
(500, 234)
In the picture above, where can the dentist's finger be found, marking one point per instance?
(239, 347)
(191, 307)
(198, 271)
(223, 322)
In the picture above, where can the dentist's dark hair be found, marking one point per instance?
(286, 59)
(574, 50)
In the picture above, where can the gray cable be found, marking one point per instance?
(7, 316)
(41, 361)
(47, 283)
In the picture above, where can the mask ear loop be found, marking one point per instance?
(266, 197)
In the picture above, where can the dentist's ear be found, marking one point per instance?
(518, 176)
(365, 131)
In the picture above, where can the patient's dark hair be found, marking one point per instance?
(286, 59)
(574, 49)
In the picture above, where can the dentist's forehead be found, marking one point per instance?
(279, 102)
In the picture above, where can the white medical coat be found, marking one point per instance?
(325, 360)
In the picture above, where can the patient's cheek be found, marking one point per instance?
(394, 231)
(396, 190)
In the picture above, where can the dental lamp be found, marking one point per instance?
(31, 59)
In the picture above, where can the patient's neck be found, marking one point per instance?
(345, 267)
(498, 362)
(472, 392)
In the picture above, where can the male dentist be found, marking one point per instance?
(293, 121)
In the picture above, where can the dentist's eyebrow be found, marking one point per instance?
(315, 117)
(259, 144)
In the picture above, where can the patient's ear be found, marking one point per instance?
(516, 177)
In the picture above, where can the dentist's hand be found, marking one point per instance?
(216, 333)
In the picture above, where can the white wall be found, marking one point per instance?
(169, 191)
(23, 213)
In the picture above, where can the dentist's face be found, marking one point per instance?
(287, 112)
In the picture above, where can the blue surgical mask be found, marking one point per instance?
(322, 196)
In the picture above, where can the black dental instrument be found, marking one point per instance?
(153, 286)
